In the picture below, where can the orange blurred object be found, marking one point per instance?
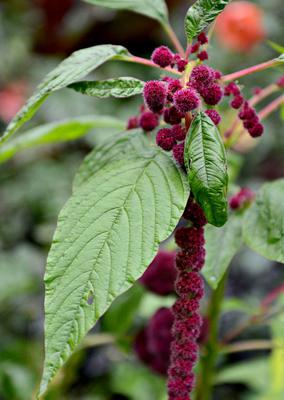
(240, 26)
(12, 98)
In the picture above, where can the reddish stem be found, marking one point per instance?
(271, 107)
(149, 63)
(263, 93)
(173, 37)
(250, 70)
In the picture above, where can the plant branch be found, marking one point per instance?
(265, 92)
(206, 378)
(271, 107)
(174, 39)
(149, 63)
(248, 345)
(250, 70)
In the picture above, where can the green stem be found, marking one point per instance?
(174, 39)
(208, 360)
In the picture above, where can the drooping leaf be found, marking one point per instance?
(156, 9)
(119, 87)
(56, 132)
(108, 233)
(221, 246)
(201, 14)
(263, 228)
(205, 160)
(72, 69)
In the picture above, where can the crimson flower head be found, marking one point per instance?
(214, 116)
(148, 121)
(165, 139)
(202, 76)
(160, 276)
(162, 56)
(178, 153)
(212, 95)
(186, 100)
(172, 115)
(155, 94)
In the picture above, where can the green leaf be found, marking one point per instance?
(120, 87)
(107, 234)
(118, 149)
(56, 132)
(156, 9)
(221, 246)
(280, 59)
(72, 69)
(201, 14)
(263, 228)
(275, 46)
(253, 373)
(205, 160)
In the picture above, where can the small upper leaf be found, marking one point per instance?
(221, 246)
(119, 87)
(201, 14)
(55, 132)
(263, 228)
(72, 69)
(107, 234)
(156, 9)
(206, 163)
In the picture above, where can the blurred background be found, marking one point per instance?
(34, 36)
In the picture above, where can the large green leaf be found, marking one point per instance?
(201, 14)
(221, 246)
(119, 87)
(74, 68)
(156, 9)
(263, 228)
(56, 132)
(108, 233)
(205, 160)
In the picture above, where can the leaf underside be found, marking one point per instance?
(206, 163)
(201, 14)
(263, 228)
(72, 69)
(156, 9)
(118, 87)
(108, 233)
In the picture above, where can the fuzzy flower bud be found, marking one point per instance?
(214, 116)
(172, 115)
(203, 55)
(162, 56)
(202, 38)
(186, 100)
(256, 130)
(179, 132)
(133, 122)
(280, 81)
(212, 95)
(195, 48)
(202, 76)
(237, 102)
(155, 95)
(159, 277)
(178, 153)
(165, 139)
(148, 121)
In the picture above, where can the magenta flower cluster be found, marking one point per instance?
(241, 199)
(161, 274)
(190, 289)
(152, 343)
